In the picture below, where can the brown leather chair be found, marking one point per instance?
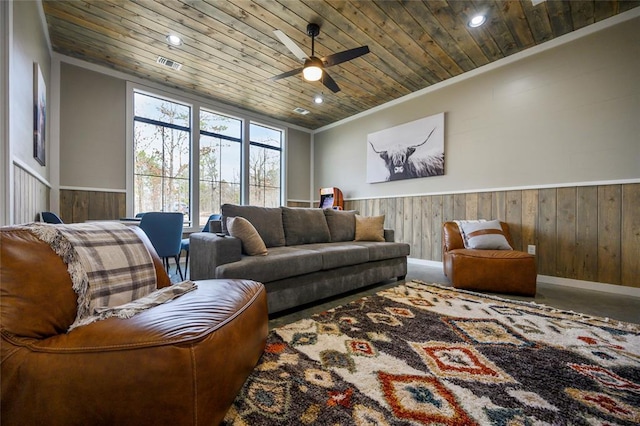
(179, 363)
(499, 271)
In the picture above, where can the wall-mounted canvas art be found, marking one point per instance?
(410, 150)
(39, 114)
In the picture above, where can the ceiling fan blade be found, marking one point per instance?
(286, 74)
(329, 82)
(294, 48)
(344, 56)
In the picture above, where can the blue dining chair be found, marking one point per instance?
(50, 217)
(164, 230)
(184, 245)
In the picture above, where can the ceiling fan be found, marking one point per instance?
(314, 67)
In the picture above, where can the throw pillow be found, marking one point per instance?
(485, 236)
(369, 228)
(242, 229)
(304, 226)
(342, 224)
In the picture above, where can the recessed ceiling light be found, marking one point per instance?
(174, 40)
(477, 20)
(318, 99)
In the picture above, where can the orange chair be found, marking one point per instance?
(499, 271)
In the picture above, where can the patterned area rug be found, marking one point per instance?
(423, 354)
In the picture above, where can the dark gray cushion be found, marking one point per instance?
(281, 262)
(379, 250)
(266, 220)
(335, 255)
(304, 226)
(342, 224)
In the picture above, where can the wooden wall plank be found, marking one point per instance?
(514, 217)
(547, 231)
(426, 224)
(566, 232)
(529, 218)
(437, 219)
(631, 235)
(484, 205)
(499, 206)
(460, 206)
(416, 221)
(587, 233)
(609, 228)
(447, 209)
(407, 220)
(471, 206)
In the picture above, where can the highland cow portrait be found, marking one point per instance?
(410, 150)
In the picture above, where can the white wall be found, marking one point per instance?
(298, 163)
(566, 115)
(29, 46)
(24, 42)
(92, 129)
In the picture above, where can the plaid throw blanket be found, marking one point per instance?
(110, 268)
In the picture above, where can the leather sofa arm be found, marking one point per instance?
(208, 251)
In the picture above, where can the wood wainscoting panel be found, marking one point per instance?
(589, 233)
(631, 235)
(78, 206)
(609, 221)
(31, 196)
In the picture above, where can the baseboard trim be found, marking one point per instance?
(565, 282)
(590, 285)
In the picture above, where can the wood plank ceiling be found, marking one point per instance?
(229, 51)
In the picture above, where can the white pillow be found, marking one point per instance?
(484, 236)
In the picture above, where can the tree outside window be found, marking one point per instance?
(265, 166)
(220, 162)
(162, 144)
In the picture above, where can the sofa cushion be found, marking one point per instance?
(484, 235)
(335, 255)
(281, 262)
(384, 250)
(369, 228)
(266, 220)
(342, 224)
(242, 229)
(304, 226)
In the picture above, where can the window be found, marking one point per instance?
(265, 166)
(162, 150)
(188, 156)
(220, 162)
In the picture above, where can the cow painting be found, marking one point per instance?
(398, 160)
(401, 163)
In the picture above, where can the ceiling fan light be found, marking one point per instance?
(312, 73)
(312, 69)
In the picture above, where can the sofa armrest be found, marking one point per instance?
(389, 235)
(207, 251)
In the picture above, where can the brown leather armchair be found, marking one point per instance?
(179, 363)
(500, 271)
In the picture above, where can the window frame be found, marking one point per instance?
(196, 103)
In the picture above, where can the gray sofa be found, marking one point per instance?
(312, 254)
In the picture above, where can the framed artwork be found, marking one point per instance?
(39, 115)
(410, 150)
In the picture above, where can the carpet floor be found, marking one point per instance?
(422, 354)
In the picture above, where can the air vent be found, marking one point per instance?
(301, 111)
(169, 63)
